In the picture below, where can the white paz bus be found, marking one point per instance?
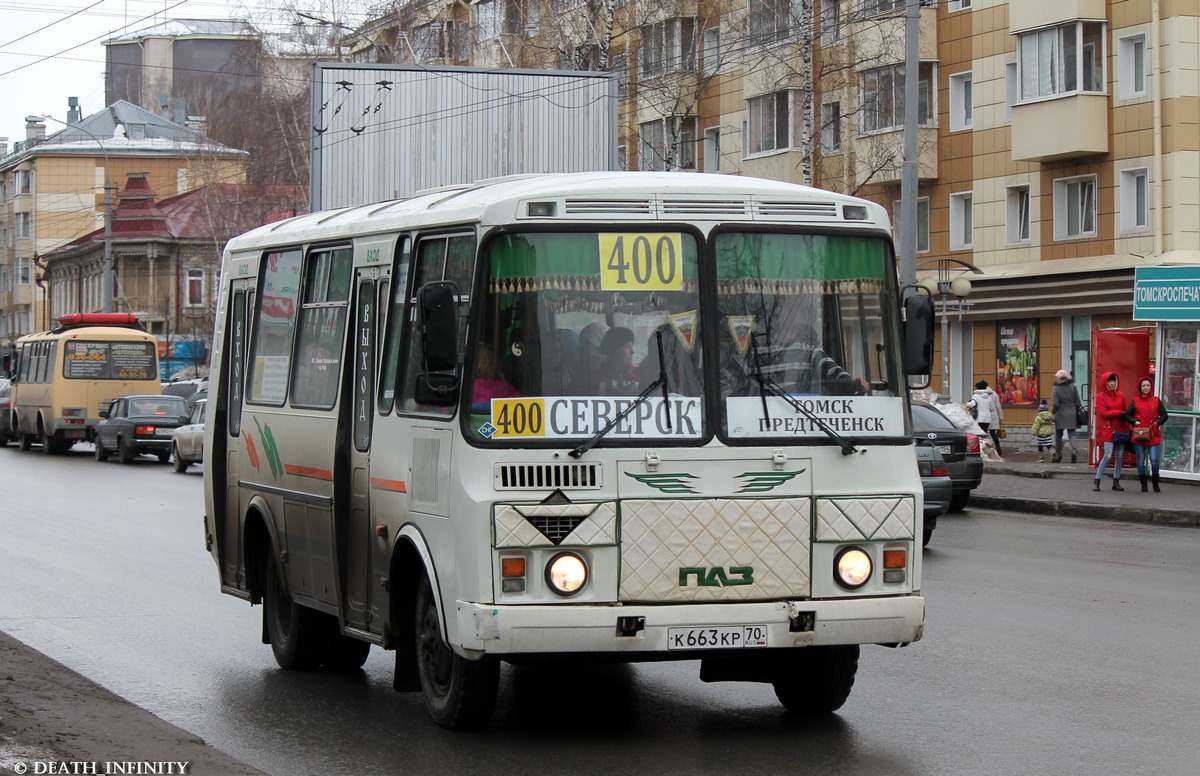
(610, 416)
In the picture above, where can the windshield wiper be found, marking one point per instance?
(767, 385)
(659, 382)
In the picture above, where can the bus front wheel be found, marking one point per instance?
(459, 693)
(816, 680)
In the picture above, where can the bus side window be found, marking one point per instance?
(438, 258)
(274, 328)
(391, 307)
(322, 327)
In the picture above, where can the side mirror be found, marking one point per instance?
(183, 419)
(103, 413)
(438, 323)
(918, 334)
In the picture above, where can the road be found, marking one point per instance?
(1053, 646)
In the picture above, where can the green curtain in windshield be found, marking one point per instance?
(812, 260)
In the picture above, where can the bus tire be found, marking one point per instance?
(101, 453)
(345, 653)
(124, 451)
(181, 465)
(24, 441)
(459, 693)
(294, 631)
(815, 680)
(164, 456)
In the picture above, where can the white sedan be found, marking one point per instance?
(187, 443)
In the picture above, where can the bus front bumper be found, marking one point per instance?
(686, 629)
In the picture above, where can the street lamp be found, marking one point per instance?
(107, 279)
(949, 286)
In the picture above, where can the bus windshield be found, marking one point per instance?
(572, 328)
(802, 321)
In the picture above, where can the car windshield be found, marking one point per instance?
(928, 418)
(572, 329)
(804, 316)
(171, 406)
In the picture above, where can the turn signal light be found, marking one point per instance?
(512, 567)
(895, 559)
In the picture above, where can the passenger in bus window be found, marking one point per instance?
(683, 372)
(590, 359)
(554, 367)
(489, 383)
(618, 374)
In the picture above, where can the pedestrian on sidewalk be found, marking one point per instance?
(1068, 413)
(1114, 428)
(1043, 429)
(1146, 413)
(988, 411)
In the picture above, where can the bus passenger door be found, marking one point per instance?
(231, 455)
(357, 541)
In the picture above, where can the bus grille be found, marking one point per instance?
(798, 209)
(518, 476)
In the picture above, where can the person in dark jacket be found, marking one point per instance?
(1113, 427)
(1068, 413)
(1146, 410)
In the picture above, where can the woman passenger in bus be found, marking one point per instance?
(488, 383)
(590, 360)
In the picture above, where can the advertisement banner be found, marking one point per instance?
(1017, 362)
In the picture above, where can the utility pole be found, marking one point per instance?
(909, 172)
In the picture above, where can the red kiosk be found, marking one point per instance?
(1126, 352)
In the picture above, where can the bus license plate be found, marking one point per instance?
(720, 637)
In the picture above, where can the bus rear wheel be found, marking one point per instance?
(459, 693)
(816, 680)
(24, 441)
(294, 631)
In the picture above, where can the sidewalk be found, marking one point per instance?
(1020, 484)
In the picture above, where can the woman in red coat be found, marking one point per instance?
(1146, 410)
(1114, 429)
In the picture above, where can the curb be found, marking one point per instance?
(1180, 517)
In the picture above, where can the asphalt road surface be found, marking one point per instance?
(1052, 646)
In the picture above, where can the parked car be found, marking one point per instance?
(939, 488)
(187, 441)
(185, 388)
(959, 448)
(6, 431)
(138, 424)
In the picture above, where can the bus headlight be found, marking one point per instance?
(566, 573)
(852, 568)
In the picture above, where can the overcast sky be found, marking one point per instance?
(51, 51)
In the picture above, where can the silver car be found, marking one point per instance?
(187, 442)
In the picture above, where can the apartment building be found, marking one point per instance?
(54, 188)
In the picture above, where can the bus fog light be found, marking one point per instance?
(566, 573)
(893, 575)
(852, 568)
(512, 585)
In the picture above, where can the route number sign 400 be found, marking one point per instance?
(641, 262)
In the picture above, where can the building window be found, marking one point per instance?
(24, 271)
(668, 144)
(831, 22)
(488, 18)
(768, 21)
(962, 221)
(712, 50)
(1062, 60)
(1017, 216)
(874, 7)
(195, 287)
(23, 223)
(769, 126)
(958, 5)
(668, 47)
(1012, 89)
(922, 222)
(882, 91)
(23, 182)
(1075, 207)
(1135, 200)
(831, 127)
(439, 41)
(961, 102)
(712, 149)
(1131, 67)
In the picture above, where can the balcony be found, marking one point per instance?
(1032, 14)
(1060, 128)
(879, 157)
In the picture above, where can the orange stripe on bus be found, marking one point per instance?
(306, 471)
(382, 484)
